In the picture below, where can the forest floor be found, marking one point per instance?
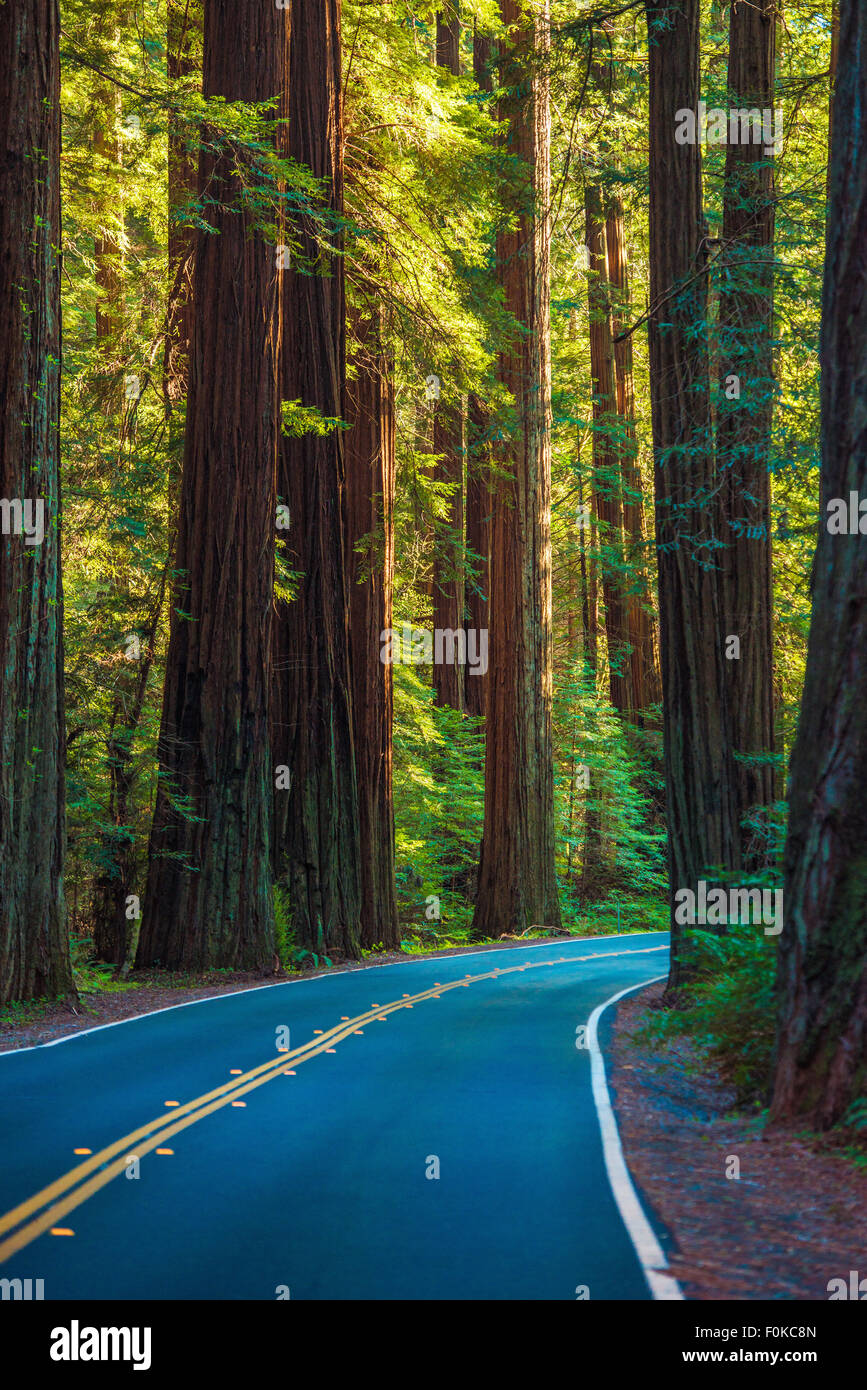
(44, 1021)
(796, 1217)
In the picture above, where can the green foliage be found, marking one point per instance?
(728, 1009)
(439, 806)
(291, 956)
(92, 977)
(298, 420)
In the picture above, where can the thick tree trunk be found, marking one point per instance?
(746, 311)
(370, 482)
(640, 618)
(317, 848)
(699, 796)
(517, 884)
(34, 950)
(821, 1061)
(209, 893)
(606, 458)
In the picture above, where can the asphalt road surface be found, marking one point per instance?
(431, 1133)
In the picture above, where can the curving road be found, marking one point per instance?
(312, 1173)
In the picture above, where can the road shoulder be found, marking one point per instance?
(794, 1219)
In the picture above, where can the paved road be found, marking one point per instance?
(315, 1181)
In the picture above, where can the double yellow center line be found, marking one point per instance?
(44, 1209)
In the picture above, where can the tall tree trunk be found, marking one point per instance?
(448, 556)
(479, 497)
(449, 37)
(209, 894)
(34, 950)
(699, 799)
(107, 248)
(370, 483)
(832, 80)
(606, 461)
(746, 311)
(640, 618)
(517, 884)
(479, 504)
(317, 847)
(821, 1060)
(182, 44)
(448, 445)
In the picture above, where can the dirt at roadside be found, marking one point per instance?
(795, 1219)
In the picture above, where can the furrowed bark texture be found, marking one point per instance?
(746, 314)
(209, 893)
(317, 848)
(517, 884)
(699, 796)
(370, 482)
(821, 1059)
(640, 617)
(606, 460)
(34, 952)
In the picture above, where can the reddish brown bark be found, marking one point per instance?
(821, 1062)
(640, 618)
(370, 481)
(517, 884)
(316, 845)
(699, 794)
(209, 892)
(34, 950)
(449, 38)
(746, 312)
(607, 499)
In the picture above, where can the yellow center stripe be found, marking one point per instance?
(143, 1140)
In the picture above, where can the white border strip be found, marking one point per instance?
(311, 979)
(648, 1249)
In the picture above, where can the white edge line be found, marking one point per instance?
(309, 980)
(650, 1254)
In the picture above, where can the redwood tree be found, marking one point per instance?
(317, 847)
(479, 500)
(640, 617)
(607, 494)
(745, 412)
(183, 40)
(517, 884)
(209, 892)
(370, 483)
(821, 1056)
(701, 829)
(34, 951)
(448, 558)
